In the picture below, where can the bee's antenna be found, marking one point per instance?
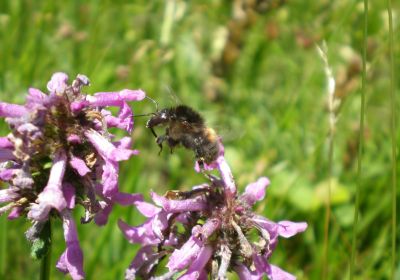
(144, 115)
(155, 102)
(148, 114)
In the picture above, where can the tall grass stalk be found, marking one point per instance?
(393, 136)
(361, 142)
(332, 121)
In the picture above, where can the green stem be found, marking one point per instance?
(3, 247)
(325, 266)
(361, 143)
(393, 136)
(46, 260)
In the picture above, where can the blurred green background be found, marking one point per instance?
(254, 72)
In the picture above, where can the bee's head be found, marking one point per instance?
(159, 117)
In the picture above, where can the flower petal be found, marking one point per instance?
(255, 191)
(144, 261)
(52, 195)
(124, 120)
(176, 206)
(79, 165)
(180, 258)
(101, 217)
(69, 195)
(15, 213)
(147, 209)
(58, 83)
(126, 199)
(71, 261)
(227, 177)
(35, 97)
(245, 274)
(279, 274)
(12, 110)
(109, 178)
(8, 195)
(74, 139)
(115, 98)
(288, 229)
(106, 149)
(196, 268)
(5, 143)
(142, 234)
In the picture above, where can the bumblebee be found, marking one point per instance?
(186, 127)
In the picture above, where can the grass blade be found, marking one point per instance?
(361, 142)
(393, 136)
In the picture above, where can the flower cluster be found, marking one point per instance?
(60, 154)
(207, 231)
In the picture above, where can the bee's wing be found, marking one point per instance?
(229, 133)
(171, 95)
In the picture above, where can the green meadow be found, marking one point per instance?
(254, 72)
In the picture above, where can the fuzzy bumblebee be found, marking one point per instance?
(186, 127)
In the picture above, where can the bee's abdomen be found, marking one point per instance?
(210, 151)
(207, 146)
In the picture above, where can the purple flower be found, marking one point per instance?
(208, 231)
(60, 154)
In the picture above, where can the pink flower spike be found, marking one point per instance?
(255, 191)
(71, 261)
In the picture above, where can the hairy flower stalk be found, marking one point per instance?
(206, 232)
(60, 154)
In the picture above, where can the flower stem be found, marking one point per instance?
(3, 247)
(46, 260)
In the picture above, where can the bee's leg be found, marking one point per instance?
(160, 140)
(172, 143)
(152, 131)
